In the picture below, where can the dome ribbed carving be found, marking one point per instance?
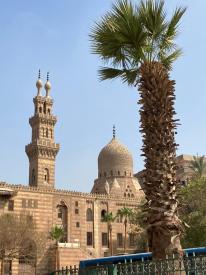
(115, 160)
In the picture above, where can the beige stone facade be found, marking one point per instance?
(79, 214)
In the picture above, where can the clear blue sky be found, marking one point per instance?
(53, 35)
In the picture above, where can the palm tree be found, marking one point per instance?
(56, 234)
(198, 165)
(137, 43)
(125, 213)
(109, 218)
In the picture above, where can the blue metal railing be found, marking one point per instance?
(192, 265)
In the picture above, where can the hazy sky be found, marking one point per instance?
(53, 36)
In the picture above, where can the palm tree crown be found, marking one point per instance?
(56, 233)
(198, 165)
(130, 35)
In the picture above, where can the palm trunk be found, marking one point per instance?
(125, 235)
(110, 240)
(158, 129)
(57, 257)
(2, 266)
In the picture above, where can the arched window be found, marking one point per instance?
(48, 110)
(125, 173)
(44, 107)
(40, 109)
(103, 212)
(125, 195)
(111, 172)
(128, 195)
(46, 175)
(118, 173)
(89, 215)
(47, 133)
(51, 133)
(132, 195)
(33, 176)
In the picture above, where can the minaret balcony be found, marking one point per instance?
(42, 118)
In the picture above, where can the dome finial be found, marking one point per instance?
(47, 85)
(39, 84)
(114, 131)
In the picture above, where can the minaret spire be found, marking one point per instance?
(114, 131)
(39, 84)
(47, 85)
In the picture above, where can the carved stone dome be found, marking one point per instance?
(115, 160)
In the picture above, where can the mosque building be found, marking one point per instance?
(79, 214)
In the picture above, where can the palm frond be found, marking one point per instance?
(129, 76)
(173, 24)
(167, 60)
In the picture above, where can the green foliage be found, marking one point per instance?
(198, 165)
(130, 35)
(193, 213)
(126, 213)
(56, 233)
(109, 218)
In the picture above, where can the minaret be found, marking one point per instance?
(42, 150)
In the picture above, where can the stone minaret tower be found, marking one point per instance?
(42, 150)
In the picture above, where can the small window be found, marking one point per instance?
(118, 173)
(11, 205)
(48, 111)
(60, 215)
(35, 203)
(47, 133)
(128, 195)
(76, 211)
(111, 172)
(119, 240)
(76, 203)
(46, 175)
(40, 110)
(77, 224)
(44, 107)
(125, 173)
(125, 195)
(132, 195)
(89, 239)
(29, 203)
(104, 239)
(23, 203)
(100, 175)
(89, 215)
(119, 218)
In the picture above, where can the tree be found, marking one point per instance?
(56, 234)
(198, 165)
(19, 239)
(193, 213)
(126, 214)
(109, 218)
(137, 42)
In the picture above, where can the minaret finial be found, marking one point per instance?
(47, 85)
(39, 84)
(114, 131)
